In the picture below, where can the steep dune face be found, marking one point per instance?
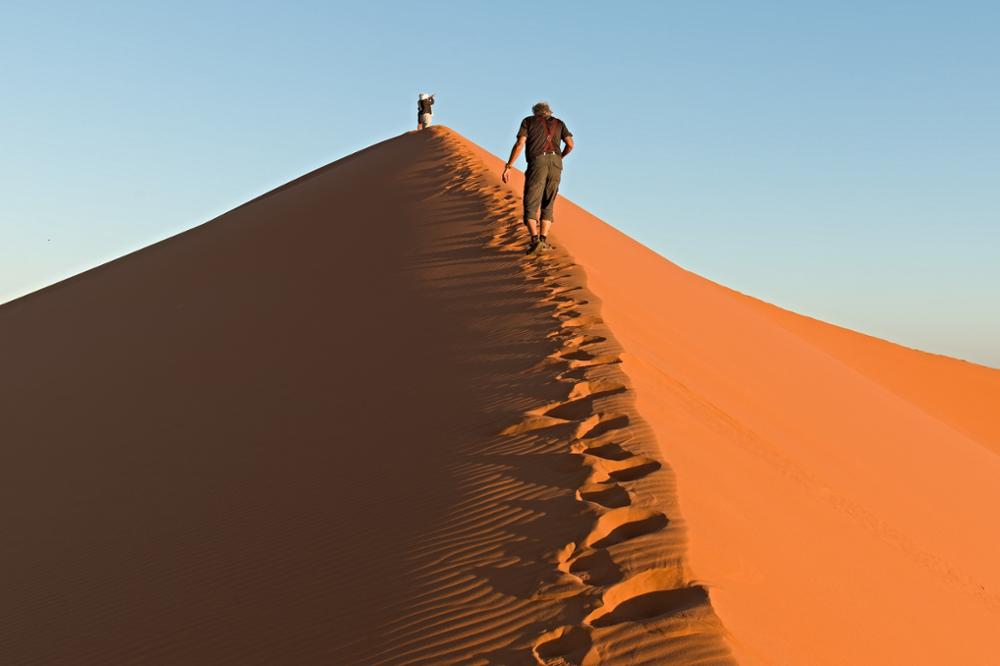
(840, 490)
(348, 422)
(836, 520)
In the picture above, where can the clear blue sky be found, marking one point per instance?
(840, 159)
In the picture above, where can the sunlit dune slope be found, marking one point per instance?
(841, 491)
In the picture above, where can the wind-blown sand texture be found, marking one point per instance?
(350, 423)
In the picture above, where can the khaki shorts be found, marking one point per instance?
(424, 119)
(541, 185)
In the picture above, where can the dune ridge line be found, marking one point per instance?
(347, 422)
(630, 568)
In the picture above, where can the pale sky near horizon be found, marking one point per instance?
(838, 159)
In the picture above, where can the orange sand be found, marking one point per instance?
(348, 422)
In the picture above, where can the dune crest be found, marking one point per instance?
(348, 422)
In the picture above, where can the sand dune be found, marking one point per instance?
(350, 423)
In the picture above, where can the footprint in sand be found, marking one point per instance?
(623, 524)
(613, 451)
(533, 422)
(594, 568)
(596, 387)
(645, 596)
(579, 409)
(631, 469)
(584, 359)
(573, 341)
(565, 646)
(580, 321)
(562, 302)
(609, 469)
(610, 496)
(598, 424)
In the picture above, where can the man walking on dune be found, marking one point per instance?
(543, 133)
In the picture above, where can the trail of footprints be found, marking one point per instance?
(601, 438)
(614, 592)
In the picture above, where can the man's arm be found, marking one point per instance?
(515, 152)
(569, 145)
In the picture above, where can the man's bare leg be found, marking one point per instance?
(532, 226)
(546, 225)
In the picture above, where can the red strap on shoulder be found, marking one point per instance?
(550, 125)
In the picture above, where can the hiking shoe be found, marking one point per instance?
(546, 245)
(534, 247)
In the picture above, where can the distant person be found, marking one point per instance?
(424, 112)
(544, 135)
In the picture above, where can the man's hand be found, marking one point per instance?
(569, 145)
(514, 152)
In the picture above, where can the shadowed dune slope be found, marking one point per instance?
(346, 423)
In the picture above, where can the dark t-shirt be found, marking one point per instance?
(535, 128)
(424, 105)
